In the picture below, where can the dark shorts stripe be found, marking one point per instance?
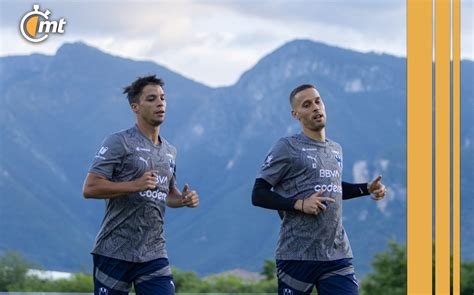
(164, 272)
(111, 282)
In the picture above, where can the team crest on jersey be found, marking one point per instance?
(338, 159)
(171, 165)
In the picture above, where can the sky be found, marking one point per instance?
(214, 42)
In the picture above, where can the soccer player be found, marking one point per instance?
(135, 172)
(301, 176)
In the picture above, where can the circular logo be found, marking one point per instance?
(29, 25)
(35, 25)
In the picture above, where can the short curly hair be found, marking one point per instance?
(133, 91)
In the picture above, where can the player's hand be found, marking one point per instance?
(146, 181)
(377, 189)
(314, 204)
(190, 198)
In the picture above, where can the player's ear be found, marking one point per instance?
(295, 115)
(135, 107)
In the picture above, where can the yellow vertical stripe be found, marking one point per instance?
(419, 147)
(456, 146)
(442, 147)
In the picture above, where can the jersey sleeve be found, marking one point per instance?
(108, 157)
(276, 164)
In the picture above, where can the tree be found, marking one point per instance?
(187, 281)
(390, 272)
(467, 278)
(13, 268)
(269, 269)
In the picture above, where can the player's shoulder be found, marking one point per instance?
(117, 137)
(127, 135)
(290, 139)
(131, 132)
(287, 144)
(171, 148)
(283, 142)
(334, 145)
(123, 138)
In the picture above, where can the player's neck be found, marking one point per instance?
(150, 132)
(319, 135)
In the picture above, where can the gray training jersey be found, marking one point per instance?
(132, 228)
(297, 167)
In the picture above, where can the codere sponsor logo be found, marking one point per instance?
(328, 188)
(35, 25)
(156, 194)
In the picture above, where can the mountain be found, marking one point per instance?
(57, 109)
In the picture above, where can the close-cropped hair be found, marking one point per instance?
(133, 90)
(298, 89)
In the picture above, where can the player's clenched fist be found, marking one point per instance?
(190, 198)
(146, 181)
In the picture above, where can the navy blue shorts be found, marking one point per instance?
(297, 277)
(115, 277)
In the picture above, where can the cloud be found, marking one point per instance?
(360, 171)
(467, 29)
(214, 42)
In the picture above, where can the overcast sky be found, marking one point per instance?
(214, 42)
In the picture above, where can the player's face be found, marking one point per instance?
(152, 105)
(308, 108)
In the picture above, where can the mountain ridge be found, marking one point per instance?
(70, 101)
